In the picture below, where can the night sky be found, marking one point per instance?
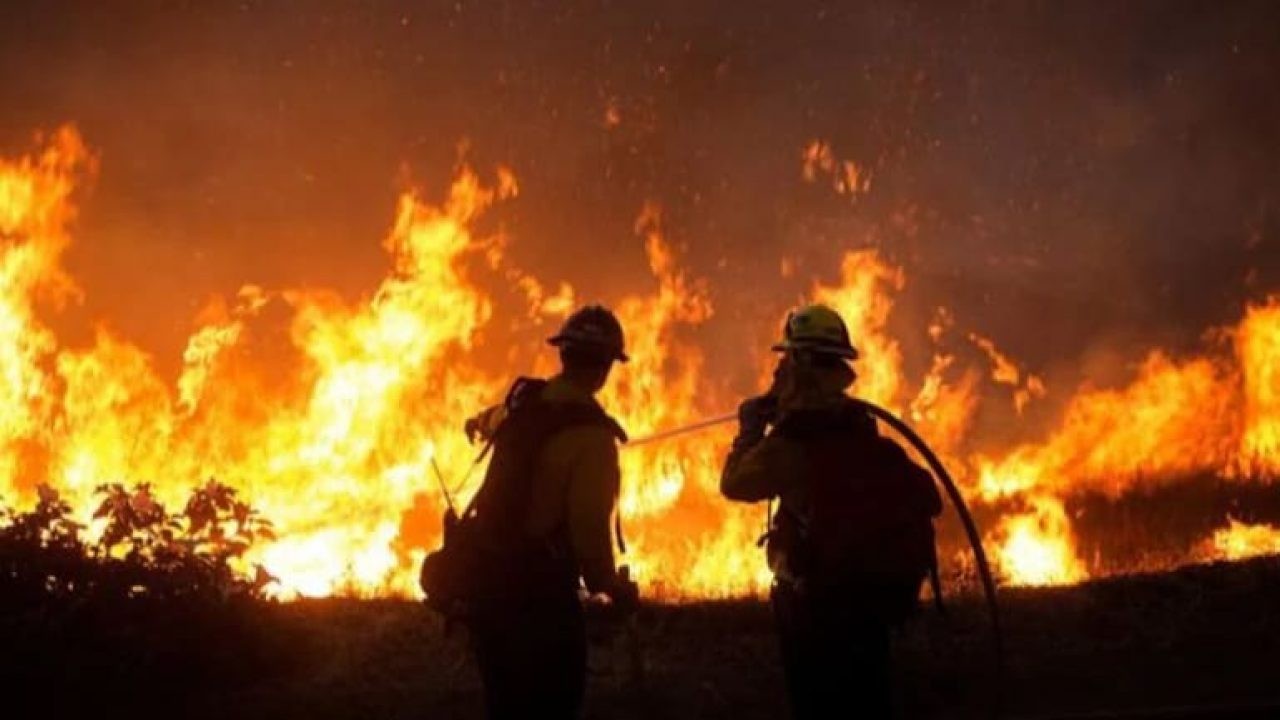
(1064, 176)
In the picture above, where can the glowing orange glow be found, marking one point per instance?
(1239, 541)
(670, 490)
(1037, 547)
(1006, 372)
(1173, 419)
(1258, 344)
(845, 176)
(864, 299)
(329, 419)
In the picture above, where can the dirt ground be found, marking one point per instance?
(1201, 636)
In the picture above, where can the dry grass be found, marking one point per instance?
(1202, 634)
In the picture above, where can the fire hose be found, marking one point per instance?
(935, 465)
(966, 519)
(939, 472)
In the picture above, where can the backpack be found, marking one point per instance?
(486, 555)
(868, 516)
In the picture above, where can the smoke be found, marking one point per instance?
(1064, 177)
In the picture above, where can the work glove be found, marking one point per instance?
(616, 602)
(624, 596)
(472, 428)
(754, 416)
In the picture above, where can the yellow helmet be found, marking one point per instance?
(817, 328)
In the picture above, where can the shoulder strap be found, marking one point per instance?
(523, 390)
(578, 414)
(530, 422)
(526, 391)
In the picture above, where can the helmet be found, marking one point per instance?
(593, 327)
(819, 329)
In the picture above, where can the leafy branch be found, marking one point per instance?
(143, 550)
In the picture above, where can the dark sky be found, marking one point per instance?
(1062, 175)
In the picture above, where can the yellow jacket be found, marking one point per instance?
(576, 483)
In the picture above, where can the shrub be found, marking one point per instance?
(143, 551)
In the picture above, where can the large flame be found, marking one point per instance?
(330, 414)
(1258, 346)
(1240, 540)
(1037, 547)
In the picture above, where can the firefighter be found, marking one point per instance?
(852, 540)
(546, 502)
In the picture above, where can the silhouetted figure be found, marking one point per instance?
(539, 527)
(852, 540)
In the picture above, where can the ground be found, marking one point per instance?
(1205, 635)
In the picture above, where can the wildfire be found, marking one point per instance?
(330, 420)
(1006, 372)
(1239, 541)
(1258, 345)
(1037, 547)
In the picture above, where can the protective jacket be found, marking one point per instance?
(854, 511)
(541, 518)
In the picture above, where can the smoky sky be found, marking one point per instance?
(1063, 176)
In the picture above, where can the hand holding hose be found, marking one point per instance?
(624, 596)
(754, 416)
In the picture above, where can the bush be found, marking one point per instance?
(140, 612)
(143, 551)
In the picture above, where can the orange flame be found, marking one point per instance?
(329, 422)
(846, 176)
(1258, 346)
(1239, 541)
(1006, 372)
(1037, 547)
(1174, 419)
(863, 298)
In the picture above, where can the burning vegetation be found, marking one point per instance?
(333, 434)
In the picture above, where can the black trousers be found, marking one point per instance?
(835, 655)
(532, 657)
